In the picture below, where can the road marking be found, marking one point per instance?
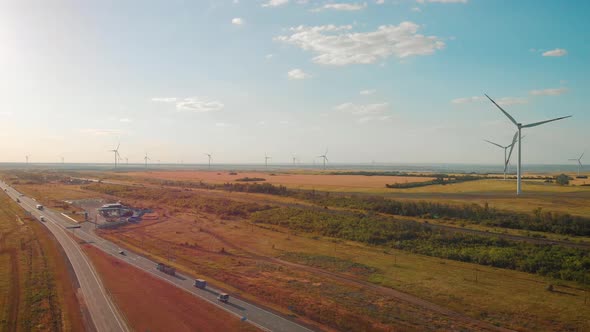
(74, 220)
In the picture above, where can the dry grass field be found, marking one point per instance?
(37, 292)
(291, 180)
(151, 304)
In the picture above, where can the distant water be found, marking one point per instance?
(426, 168)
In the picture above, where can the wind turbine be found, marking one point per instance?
(116, 152)
(579, 160)
(27, 159)
(518, 136)
(62, 159)
(506, 158)
(266, 158)
(209, 156)
(127, 160)
(146, 158)
(324, 157)
(294, 158)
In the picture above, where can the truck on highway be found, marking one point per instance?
(42, 218)
(200, 283)
(223, 297)
(166, 269)
(39, 207)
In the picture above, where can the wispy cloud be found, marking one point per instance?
(367, 92)
(339, 46)
(556, 52)
(275, 3)
(5, 113)
(125, 120)
(100, 132)
(442, 1)
(194, 104)
(363, 109)
(297, 74)
(342, 7)
(549, 92)
(504, 101)
(237, 21)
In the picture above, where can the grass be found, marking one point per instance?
(36, 290)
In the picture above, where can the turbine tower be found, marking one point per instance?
(209, 156)
(27, 159)
(324, 157)
(145, 159)
(294, 157)
(506, 157)
(579, 160)
(116, 152)
(518, 136)
(62, 159)
(266, 158)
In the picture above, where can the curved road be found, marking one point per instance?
(105, 316)
(102, 310)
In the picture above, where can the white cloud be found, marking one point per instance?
(126, 120)
(367, 92)
(237, 21)
(5, 113)
(275, 3)
(269, 56)
(555, 52)
(366, 109)
(199, 105)
(442, 1)
(165, 100)
(467, 100)
(504, 101)
(379, 2)
(297, 74)
(416, 9)
(338, 46)
(342, 6)
(548, 92)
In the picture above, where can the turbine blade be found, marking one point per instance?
(498, 145)
(582, 155)
(542, 122)
(511, 148)
(503, 111)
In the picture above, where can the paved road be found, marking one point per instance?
(103, 312)
(251, 313)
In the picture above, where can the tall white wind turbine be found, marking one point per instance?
(145, 159)
(209, 156)
(506, 156)
(266, 158)
(579, 160)
(116, 152)
(518, 134)
(324, 157)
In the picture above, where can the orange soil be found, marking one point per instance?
(291, 180)
(151, 304)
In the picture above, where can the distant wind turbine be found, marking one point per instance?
(518, 136)
(62, 159)
(266, 158)
(116, 152)
(145, 159)
(209, 156)
(294, 157)
(27, 159)
(579, 160)
(506, 157)
(325, 158)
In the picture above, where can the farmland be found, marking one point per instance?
(313, 254)
(37, 289)
(162, 307)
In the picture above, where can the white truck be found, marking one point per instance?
(39, 207)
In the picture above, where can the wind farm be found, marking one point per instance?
(294, 166)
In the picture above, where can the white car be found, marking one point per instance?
(42, 218)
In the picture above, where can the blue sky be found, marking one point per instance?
(398, 81)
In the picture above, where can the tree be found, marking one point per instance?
(562, 179)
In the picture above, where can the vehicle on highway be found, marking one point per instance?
(39, 207)
(42, 218)
(223, 297)
(21, 195)
(121, 252)
(17, 200)
(200, 283)
(166, 269)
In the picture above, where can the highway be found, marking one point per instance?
(102, 310)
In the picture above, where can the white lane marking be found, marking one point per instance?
(101, 287)
(65, 215)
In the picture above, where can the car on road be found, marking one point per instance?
(121, 252)
(42, 218)
(17, 200)
(39, 207)
(200, 283)
(223, 297)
